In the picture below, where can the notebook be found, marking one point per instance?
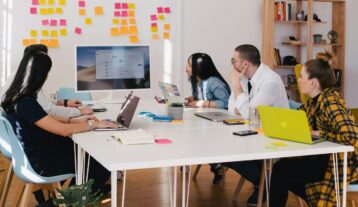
(216, 116)
(170, 92)
(287, 124)
(134, 137)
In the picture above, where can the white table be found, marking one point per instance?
(196, 141)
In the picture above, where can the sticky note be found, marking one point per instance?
(51, 2)
(45, 22)
(132, 21)
(63, 32)
(166, 35)
(50, 11)
(117, 14)
(167, 27)
(43, 11)
(163, 141)
(161, 17)
(98, 10)
(131, 6)
(33, 10)
(154, 29)
(44, 42)
(53, 22)
(62, 2)
(124, 30)
(124, 6)
(33, 33)
(59, 10)
(53, 43)
(78, 30)
(81, 12)
(45, 33)
(167, 10)
(177, 121)
(279, 144)
(42, 2)
(35, 2)
(54, 33)
(115, 31)
(117, 5)
(27, 42)
(88, 20)
(63, 22)
(155, 37)
(133, 30)
(115, 21)
(124, 22)
(133, 39)
(81, 4)
(160, 10)
(131, 13)
(154, 25)
(124, 13)
(153, 17)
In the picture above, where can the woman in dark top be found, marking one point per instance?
(45, 138)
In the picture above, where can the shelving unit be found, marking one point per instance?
(303, 31)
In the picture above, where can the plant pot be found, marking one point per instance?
(176, 112)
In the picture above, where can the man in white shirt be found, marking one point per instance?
(253, 84)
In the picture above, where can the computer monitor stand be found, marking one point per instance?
(110, 100)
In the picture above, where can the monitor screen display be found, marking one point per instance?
(112, 68)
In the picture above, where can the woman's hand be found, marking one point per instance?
(196, 103)
(104, 124)
(82, 119)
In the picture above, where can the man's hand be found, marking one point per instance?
(74, 103)
(82, 119)
(235, 80)
(196, 103)
(85, 110)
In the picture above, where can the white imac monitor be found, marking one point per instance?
(108, 68)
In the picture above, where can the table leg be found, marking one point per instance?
(79, 165)
(336, 179)
(183, 186)
(262, 184)
(170, 182)
(175, 187)
(345, 179)
(114, 188)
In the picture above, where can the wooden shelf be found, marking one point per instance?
(316, 45)
(297, 22)
(325, 45)
(327, 1)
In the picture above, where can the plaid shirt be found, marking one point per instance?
(332, 117)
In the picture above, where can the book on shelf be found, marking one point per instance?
(277, 57)
(131, 137)
(283, 11)
(338, 75)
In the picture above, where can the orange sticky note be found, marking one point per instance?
(98, 10)
(131, 6)
(167, 27)
(124, 30)
(154, 29)
(88, 20)
(53, 43)
(43, 11)
(42, 2)
(131, 13)
(133, 30)
(115, 21)
(161, 17)
(132, 21)
(44, 42)
(166, 35)
(33, 33)
(54, 33)
(50, 11)
(115, 31)
(155, 37)
(27, 42)
(51, 2)
(45, 33)
(62, 2)
(124, 22)
(133, 39)
(63, 32)
(59, 10)
(82, 12)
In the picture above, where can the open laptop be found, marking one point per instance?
(216, 116)
(286, 124)
(170, 92)
(125, 115)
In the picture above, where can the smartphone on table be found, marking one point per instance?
(244, 132)
(233, 121)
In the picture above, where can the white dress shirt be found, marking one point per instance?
(267, 89)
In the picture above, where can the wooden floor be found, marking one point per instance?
(150, 188)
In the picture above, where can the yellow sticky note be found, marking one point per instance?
(51, 2)
(154, 29)
(54, 33)
(166, 35)
(167, 27)
(53, 43)
(59, 10)
(177, 121)
(133, 39)
(45, 33)
(88, 20)
(98, 10)
(124, 30)
(33, 33)
(131, 13)
(50, 11)
(63, 32)
(62, 2)
(82, 12)
(161, 17)
(42, 2)
(155, 37)
(133, 30)
(43, 11)
(115, 21)
(132, 21)
(131, 6)
(115, 31)
(279, 144)
(124, 22)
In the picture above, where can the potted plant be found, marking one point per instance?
(78, 196)
(176, 110)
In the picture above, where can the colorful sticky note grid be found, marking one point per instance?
(33, 33)
(81, 3)
(63, 22)
(166, 35)
(27, 42)
(115, 32)
(167, 27)
(161, 17)
(35, 2)
(115, 21)
(133, 39)
(88, 20)
(42, 2)
(50, 10)
(45, 33)
(53, 22)
(117, 14)
(43, 11)
(82, 12)
(59, 10)
(54, 33)
(155, 37)
(98, 10)
(160, 10)
(131, 13)
(124, 22)
(153, 17)
(117, 5)
(51, 2)
(132, 21)
(45, 22)
(124, 13)
(154, 29)
(63, 32)
(131, 6)
(124, 5)
(33, 10)
(62, 2)
(133, 30)
(167, 10)
(78, 30)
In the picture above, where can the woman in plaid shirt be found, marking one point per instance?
(329, 117)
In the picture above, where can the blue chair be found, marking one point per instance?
(21, 165)
(294, 104)
(69, 93)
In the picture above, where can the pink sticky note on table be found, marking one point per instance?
(124, 13)
(81, 3)
(160, 10)
(167, 10)
(35, 2)
(117, 5)
(153, 17)
(78, 30)
(53, 22)
(63, 22)
(154, 25)
(45, 22)
(124, 5)
(33, 10)
(163, 141)
(117, 14)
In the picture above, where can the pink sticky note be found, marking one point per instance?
(160, 10)
(167, 10)
(63, 22)
(154, 25)
(78, 30)
(124, 13)
(117, 5)
(45, 22)
(153, 17)
(33, 10)
(124, 5)
(163, 141)
(53, 22)
(81, 3)
(35, 2)
(117, 14)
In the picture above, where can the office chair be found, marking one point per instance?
(69, 93)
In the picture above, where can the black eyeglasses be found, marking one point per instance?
(233, 61)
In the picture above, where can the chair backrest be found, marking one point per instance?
(69, 93)
(298, 69)
(294, 104)
(5, 146)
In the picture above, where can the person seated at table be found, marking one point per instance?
(66, 108)
(209, 89)
(45, 138)
(312, 177)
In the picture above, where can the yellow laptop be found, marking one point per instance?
(286, 124)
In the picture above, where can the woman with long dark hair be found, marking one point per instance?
(45, 138)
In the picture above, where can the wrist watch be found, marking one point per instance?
(65, 102)
(90, 124)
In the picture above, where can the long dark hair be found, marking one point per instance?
(29, 78)
(320, 69)
(204, 68)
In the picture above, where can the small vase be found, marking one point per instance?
(176, 112)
